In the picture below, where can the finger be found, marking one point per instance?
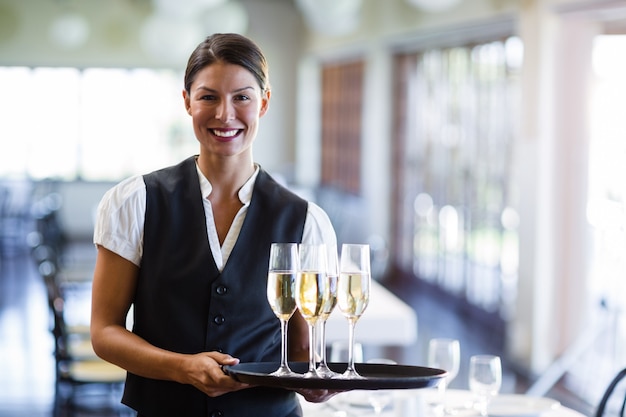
(224, 358)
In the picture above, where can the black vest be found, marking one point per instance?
(184, 304)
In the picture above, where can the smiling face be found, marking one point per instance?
(226, 102)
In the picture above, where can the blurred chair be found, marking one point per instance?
(75, 260)
(84, 382)
(614, 395)
(15, 218)
(45, 211)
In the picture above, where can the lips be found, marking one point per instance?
(226, 134)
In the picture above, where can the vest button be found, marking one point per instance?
(219, 319)
(217, 413)
(221, 290)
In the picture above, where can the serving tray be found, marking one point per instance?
(375, 376)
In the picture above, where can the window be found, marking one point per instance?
(455, 124)
(342, 90)
(92, 124)
(607, 195)
(603, 353)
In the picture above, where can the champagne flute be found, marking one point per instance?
(310, 292)
(353, 292)
(444, 354)
(485, 379)
(330, 300)
(281, 282)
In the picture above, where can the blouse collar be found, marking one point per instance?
(245, 192)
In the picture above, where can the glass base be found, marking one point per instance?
(323, 371)
(310, 374)
(351, 374)
(284, 370)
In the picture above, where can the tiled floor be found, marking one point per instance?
(27, 363)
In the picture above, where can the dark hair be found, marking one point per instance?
(230, 48)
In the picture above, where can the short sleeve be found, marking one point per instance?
(318, 228)
(120, 219)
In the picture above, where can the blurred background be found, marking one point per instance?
(477, 145)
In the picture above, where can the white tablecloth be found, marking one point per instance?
(418, 403)
(387, 321)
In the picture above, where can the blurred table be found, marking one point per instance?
(419, 403)
(387, 321)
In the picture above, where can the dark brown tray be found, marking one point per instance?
(376, 376)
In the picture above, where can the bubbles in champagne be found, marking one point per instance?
(330, 296)
(280, 293)
(310, 294)
(353, 294)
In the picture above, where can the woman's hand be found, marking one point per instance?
(317, 395)
(204, 371)
(113, 290)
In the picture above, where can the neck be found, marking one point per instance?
(226, 174)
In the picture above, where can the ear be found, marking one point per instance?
(187, 101)
(265, 102)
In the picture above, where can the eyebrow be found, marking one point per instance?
(238, 90)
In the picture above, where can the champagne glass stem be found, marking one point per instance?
(284, 366)
(351, 346)
(351, 371)
(322, 369)
(323, 343)
(283, 343)
(311, 373)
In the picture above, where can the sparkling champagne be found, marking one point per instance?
(280, 293)
(310, 294)
(353, 294)
(330, 296)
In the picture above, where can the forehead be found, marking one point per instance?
(224, 75)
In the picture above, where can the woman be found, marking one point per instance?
(188, 247)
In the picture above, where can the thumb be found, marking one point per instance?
(225, 359)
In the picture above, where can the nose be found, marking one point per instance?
(225, 112)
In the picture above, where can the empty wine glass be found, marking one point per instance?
(281, 283)
(330, 300)
(310, 293)
(353, 292)
(485, 379)
(444, 354)
(380, 399)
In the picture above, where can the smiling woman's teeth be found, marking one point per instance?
(225, 133)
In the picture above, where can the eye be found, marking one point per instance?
(242, 97)
(208, 97)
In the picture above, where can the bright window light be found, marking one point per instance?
(607, 189)
(92, 124)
